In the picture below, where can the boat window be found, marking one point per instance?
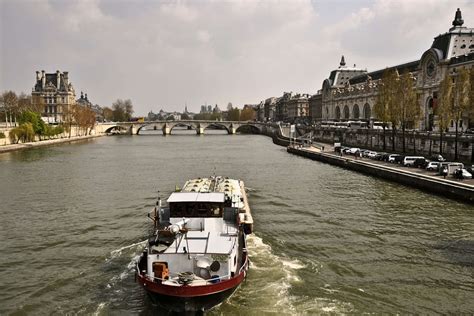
(186, 209)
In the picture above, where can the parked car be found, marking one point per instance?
(408, 161)
(392, 157)
(432, 165)
(469, 131)
(378, 156)
(385, 156)
(462, 173)
(420, 163)
(365, 153)
(372, 154)
(354, 150)
(399, 159)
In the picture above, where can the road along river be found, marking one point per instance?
(73, 219)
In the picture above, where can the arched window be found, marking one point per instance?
(355, 112)
(346, 112)
(367, 112)
(338, 113)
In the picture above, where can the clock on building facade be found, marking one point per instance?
(430, 68)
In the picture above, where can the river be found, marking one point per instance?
(327, 240)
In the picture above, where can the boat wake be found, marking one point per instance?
(269, 281)
(117, 252)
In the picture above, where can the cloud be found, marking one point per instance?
(163, 54)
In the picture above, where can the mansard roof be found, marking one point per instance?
(457, 41)
(376, 75)
(51, 80)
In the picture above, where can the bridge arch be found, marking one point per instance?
(182, 124)
(156, 126)
(254, 128)
(217, 124)
(115, 128)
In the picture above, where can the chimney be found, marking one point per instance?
(38, 77)
(58, 79)
(43, 79)
(66, 78)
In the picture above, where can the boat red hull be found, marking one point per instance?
(191, 298)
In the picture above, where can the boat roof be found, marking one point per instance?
(213, 197)
(203, 242)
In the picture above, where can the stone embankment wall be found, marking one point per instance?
(98, 130)
(422, 143)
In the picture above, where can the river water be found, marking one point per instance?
(327, 240)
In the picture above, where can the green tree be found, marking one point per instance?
(443, 110)
(23, 133)
(35, 120)
(185, 116)
(461, 102)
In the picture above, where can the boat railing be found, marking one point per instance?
(175, 277)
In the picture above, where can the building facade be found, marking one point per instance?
(350, 93)
(316, 107)
(54, 93)
(298, 108)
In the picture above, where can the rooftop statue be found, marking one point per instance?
(458, 21)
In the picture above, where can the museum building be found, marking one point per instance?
(349, 94)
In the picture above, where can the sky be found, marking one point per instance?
(168, 54)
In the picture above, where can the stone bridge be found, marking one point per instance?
(166, 127)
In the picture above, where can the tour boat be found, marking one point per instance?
(197, 256)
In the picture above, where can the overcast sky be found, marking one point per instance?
(165, 54)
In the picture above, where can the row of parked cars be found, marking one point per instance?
(436, 163)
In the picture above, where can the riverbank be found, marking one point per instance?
(49, 142)
(460, 191)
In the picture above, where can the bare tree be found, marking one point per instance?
(443, 110)
(461, 102)
(384, 100)
(10, 105)
(407, 104)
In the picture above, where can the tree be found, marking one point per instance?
(39, 127)
(461, 102)
(233, 115)
(24, 133)
(108, 114)
(185, 116)
(443, 110)
(122, 110)
(248, 114)
(24, 104)
(84, 117)
(384, 100)
(9, 100)
(216, 116)
(470, 107)
(202, 117)
(406, 104)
